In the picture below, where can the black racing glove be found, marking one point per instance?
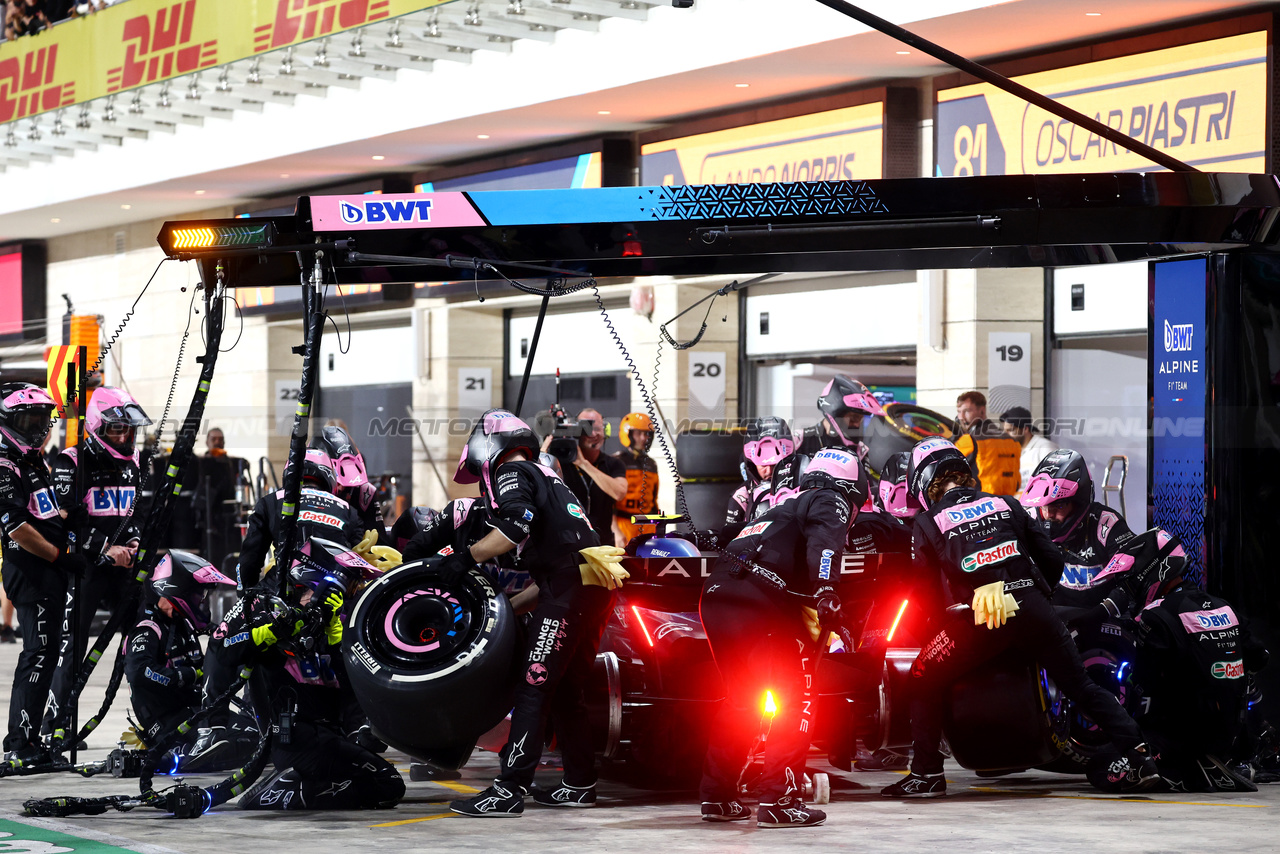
(71, 564)
(186, 676)
(827, 604)
(1118, 602)
(454, 567)
(414, 550)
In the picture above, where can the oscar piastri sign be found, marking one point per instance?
(1178, 416)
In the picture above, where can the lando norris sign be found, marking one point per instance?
(1204, 103)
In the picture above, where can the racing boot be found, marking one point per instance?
(281, 791)
(733, 810)
(788, 812)
(565, 795)
(917, 786)
(497, 801)
(211, 751)
(1223, 778)
(883, 760)
(1135, 771)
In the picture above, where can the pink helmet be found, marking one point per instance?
(839, 469)
(895, 499)
(348, 465)
(185, 579)
(113, 407)
(769, 441)
(497, 434)
(26, 413)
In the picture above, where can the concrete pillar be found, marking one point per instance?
(449, 337)
(977, 303)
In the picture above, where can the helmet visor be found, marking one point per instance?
(31, 425)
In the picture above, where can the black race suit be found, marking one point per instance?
(330, 771)
(535, 510)
(759, 640)
(320, 514)
(1195, 655)
(462, 523)
(970, 539)
(409, 523)
(364, 501)
(36, 587)
(874, 532)
(111, 492)
(162, 661)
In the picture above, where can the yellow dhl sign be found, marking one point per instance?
(837, 145)
(146, 41)
(1205, 104)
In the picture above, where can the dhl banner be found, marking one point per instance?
(144, 41)
(1205, 104)
(837, 145)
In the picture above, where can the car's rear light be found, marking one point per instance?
(640, 623)
(769, 705)
(902, 609)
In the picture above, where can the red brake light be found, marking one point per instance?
(769, 705)
(640, 623)
(901, 610)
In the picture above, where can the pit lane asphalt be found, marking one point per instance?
(1033, 811)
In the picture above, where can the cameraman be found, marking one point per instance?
(599, 480)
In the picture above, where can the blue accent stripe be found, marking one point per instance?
(551, 207)
(1155, 78)
(580, 171)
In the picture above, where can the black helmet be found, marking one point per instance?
(842, 396)
(930, 460)
(838, 469)
(185, 579)
(317, 468)
(496, 435)
(26, 412)
(1061, 476)
(323, 566)
(894, 497)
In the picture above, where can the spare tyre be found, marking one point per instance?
(431, 663)
(901, 426)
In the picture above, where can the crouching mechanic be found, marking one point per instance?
(163, 660)
(533, 512)
(752, 612)
(1196, 660)
(989, 555)
(317, 766)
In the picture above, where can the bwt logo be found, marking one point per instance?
(1177, 338)
(975, 511)
(409, 210)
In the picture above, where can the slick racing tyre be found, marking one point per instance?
(431, 663)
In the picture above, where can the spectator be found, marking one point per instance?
(1017, 425)
(994, 458)
(599, 480)
(215, 443)
(24, 18)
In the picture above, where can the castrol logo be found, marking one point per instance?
(990, 556)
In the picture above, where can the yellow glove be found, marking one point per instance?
(810, 617)
(131, 738)
(333, 602)
(384, 558)
(603, 567)
(991, 605)
(263, 636)
(333, 631)
(367, 542)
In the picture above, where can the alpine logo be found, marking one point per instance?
(390, 210)
(752, 530)
(1177, 337)
(1227, 669)
(990, 556)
